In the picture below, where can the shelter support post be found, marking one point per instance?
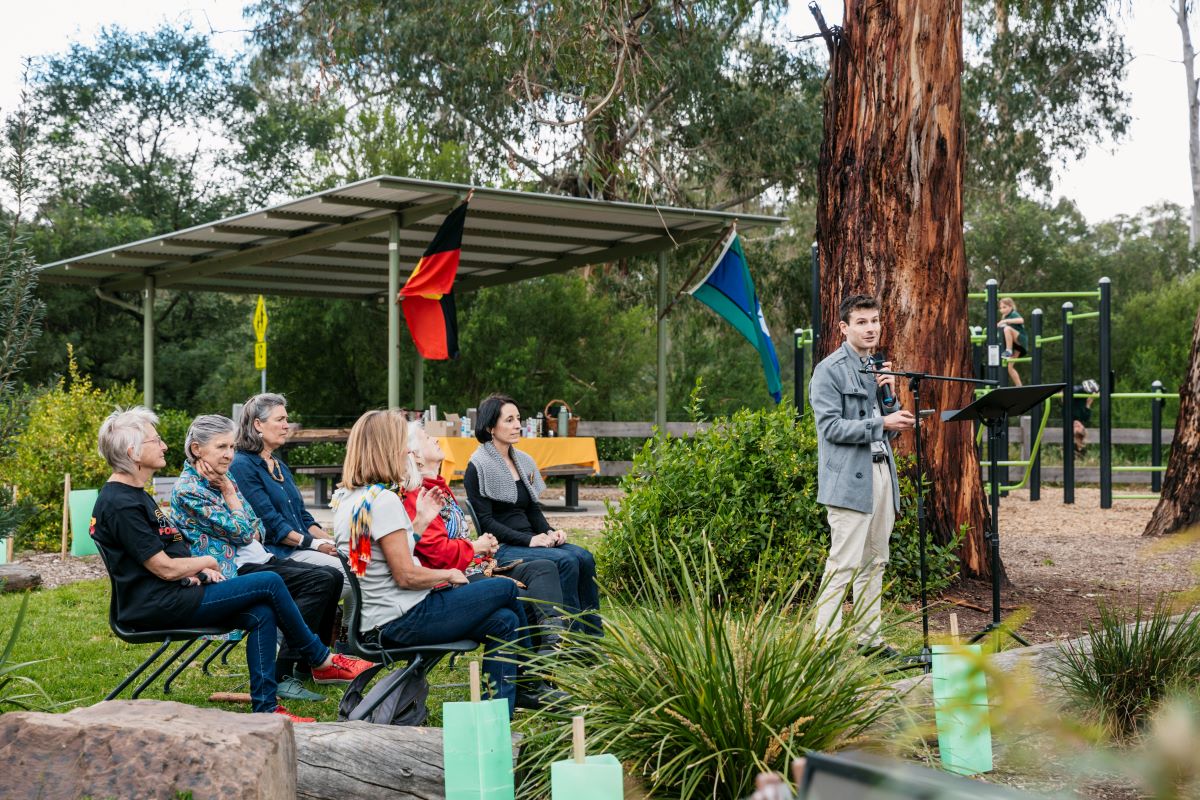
(419, 384)
(148, 343)
(393, 362)
(660, 408)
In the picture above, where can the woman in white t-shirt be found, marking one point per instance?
(405, 603)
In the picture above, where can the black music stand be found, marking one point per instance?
(993, 410)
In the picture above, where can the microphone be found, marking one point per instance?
(877, 359)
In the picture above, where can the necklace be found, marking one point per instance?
(275, 470)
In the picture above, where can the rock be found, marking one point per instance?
(18, 578)
(146, 749)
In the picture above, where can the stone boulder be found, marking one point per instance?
(147, 749)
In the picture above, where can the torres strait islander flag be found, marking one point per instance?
(728, 290)
(427, 296)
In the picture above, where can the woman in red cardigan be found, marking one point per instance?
(445, 544)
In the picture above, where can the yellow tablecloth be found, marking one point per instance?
(546, 452)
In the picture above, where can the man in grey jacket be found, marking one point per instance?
(856, 473)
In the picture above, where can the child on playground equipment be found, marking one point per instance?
(1081, 413)
(1012, 327)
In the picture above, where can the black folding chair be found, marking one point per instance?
(186, 637)
(466, 506)
(419, 660)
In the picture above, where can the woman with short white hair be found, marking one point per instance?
(159, 584)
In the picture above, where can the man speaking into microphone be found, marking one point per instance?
(857, 415)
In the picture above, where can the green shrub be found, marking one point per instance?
(696, 698)
(748, 487)
(319, 454)
(59, 436)
(1126, 670)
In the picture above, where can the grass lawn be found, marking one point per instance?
(68, 626)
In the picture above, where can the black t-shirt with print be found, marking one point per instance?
(129, 529)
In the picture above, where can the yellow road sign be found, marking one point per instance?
(260, 355)
(260, 322)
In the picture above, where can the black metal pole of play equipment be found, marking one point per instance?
(1156, 407)
(816, 300)
(1106, 388)
(1035, 376)
(1068, 407)
(798, 363)
(994, 371)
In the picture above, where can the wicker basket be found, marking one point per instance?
(552, 419)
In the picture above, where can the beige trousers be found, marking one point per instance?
(858, 553)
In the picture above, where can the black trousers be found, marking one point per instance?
(542, 585)
(316, 590)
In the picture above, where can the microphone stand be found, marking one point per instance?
(924, 661)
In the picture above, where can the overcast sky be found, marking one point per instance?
(1148, 165)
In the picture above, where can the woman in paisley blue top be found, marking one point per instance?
(217, 521)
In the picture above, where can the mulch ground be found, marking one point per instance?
(1062, 561)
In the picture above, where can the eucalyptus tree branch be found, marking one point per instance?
(745, 197)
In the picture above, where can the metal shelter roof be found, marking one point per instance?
(334, 243)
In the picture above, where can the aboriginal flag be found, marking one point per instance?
(428, 300)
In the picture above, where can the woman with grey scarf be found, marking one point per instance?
(503, 485)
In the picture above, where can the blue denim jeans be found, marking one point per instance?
(257, 604)
(576, 573)
(486, 611)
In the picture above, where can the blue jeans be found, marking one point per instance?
(576, 573)
(486, 611)
(257, 604)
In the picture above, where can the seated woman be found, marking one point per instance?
(216, 521)
(290, 530)
(503, 485)
(444, 544)
(378, 537)
(159, 585)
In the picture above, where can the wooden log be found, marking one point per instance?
(18, 578)
(351, 760)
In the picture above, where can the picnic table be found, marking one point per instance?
(323, 475)
(569, 457)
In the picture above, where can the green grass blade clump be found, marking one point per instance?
(696, 695)
(1125, 670)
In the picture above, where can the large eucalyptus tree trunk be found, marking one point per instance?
(890, 223)
(1179, 505)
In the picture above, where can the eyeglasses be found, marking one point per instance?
(155, 440)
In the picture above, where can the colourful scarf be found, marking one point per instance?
(360, 524)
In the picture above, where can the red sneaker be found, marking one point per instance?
(291, 716)
(343, 669)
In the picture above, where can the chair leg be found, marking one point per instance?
(131, 677)
(221, 651)
(184, 664)
(162, 668)
(225, 656)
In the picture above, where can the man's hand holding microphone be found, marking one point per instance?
(901, 420)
